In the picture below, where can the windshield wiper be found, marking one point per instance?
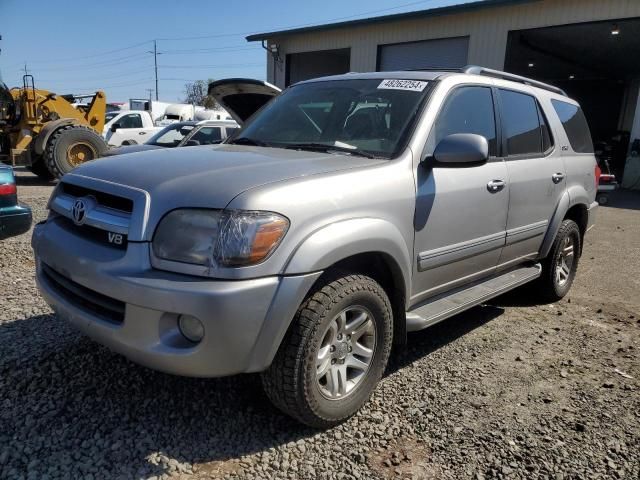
(248, 141)
(324, 147)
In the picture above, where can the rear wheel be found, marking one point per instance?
(334, 353)
(72, 146)
(39, 168)
(560, 266)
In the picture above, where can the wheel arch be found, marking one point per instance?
(372, 247)
(49, 129)
(578, 212)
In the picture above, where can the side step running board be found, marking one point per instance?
(447, 306)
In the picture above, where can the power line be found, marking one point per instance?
(289, 27)
(96, 54)
(209, 50)
(107, 63)
(237, 65)
(121, 85)
(222, 35)
(102, 77)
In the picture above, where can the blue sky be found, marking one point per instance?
(81, 46)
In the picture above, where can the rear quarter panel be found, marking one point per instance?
(580, 179)
(580, 182)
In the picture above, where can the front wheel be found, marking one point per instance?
(334, 353)
(560, 266)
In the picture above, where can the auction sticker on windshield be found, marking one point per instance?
(395, 84)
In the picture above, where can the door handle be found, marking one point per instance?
(141, 133)
(495, 185)
(557, 177)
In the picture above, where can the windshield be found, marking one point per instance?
(170, 136)
(372, 116)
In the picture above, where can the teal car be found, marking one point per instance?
(15, 218)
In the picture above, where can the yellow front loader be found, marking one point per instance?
(47, 132)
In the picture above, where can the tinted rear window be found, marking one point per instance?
(575, 124)
(521, 123)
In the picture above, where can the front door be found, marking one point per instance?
(536, 175)
(461, 211)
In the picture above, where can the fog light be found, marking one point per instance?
(191, 328)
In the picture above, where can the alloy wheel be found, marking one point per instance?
(345, 352)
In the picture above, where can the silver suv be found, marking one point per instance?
(347, 211)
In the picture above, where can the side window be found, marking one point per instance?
(575, 124)
(521, 123)
(466, 110)
(207, 135)
(230, 131)
(132, 120)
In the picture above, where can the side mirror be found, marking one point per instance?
(461, 148)
(192, 143)
(115, 127)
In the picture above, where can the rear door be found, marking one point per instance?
(130, 127)
(536, 174)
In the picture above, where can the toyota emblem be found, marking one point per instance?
(79, 211)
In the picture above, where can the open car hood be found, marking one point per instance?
(242, 97)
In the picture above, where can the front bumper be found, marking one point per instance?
(244, 320)
(14, 220)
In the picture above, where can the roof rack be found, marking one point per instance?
(434, 69)
(476, 70)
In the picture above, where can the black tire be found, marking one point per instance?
(39, 168)
(129, 142)
(549, 286)
(58, 155)
(291, 381)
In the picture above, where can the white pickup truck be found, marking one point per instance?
(128, 127)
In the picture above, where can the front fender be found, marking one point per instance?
(328, 245)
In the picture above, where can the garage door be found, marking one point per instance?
(306, 65)
(445, 53)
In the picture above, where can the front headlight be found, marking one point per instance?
(229, 238)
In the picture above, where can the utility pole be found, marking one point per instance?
(150, 90)
(26, 72)
(155, 62)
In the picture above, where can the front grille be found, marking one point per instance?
(95, 211)
(97, 304)
(104, 199)
(91, 233)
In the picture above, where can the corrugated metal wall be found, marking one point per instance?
(488, 30)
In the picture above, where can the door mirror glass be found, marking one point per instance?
(461, 148)
(115, 127)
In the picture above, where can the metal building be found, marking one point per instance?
(590, 48)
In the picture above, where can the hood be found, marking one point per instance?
(211, 176)
(242, 97)
(130, 149)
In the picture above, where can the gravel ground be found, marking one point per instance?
(507, 390)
